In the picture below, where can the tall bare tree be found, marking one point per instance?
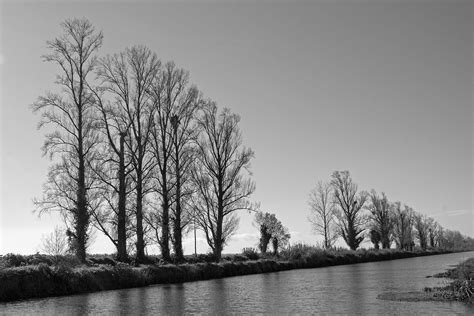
(403, 226)
(323, 213)
(352, 222)
(434, 231)
(221, 185)
(112, 168)
(185, 131)
(381, 217)
(175, 103)
(70, 112)
(127, 118)
(422, 226)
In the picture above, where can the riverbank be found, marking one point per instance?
(461, 288)
(59, 278)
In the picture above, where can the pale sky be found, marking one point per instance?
(381, 88)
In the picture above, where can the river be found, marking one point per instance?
(349, 289)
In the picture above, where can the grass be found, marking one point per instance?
(461, 287)
(312, 257)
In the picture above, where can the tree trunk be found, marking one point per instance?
(121, 224)
(351, 236)
(275, 246)
(264, 238)
(218, 237)
(178, 245)
(326, 239)
(165, 219)
(140, 239)
(82, 218)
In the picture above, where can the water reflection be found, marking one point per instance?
(358, 294)
(173, 299)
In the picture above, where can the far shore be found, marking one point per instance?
(57, 279)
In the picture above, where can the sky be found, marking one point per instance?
(383, 89)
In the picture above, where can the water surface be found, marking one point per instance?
(349, 289)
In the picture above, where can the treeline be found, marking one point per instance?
(137, 152)
(141, 156)
(339, 209)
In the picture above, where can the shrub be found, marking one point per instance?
(209, 257)
(55, 244)
(239, 258)
(250, 253)
(301, 251)
(13, 260)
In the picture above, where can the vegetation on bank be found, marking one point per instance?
(461, 288)
(24, 277)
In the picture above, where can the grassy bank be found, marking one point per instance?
(23, 277)
(461, 288)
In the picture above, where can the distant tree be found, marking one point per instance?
(323, 213)
(381, 217)
(126, 121)
(403, 226)
(434, 231)
(55, 243)
(265, 222)
(375, 238)
(271, 230)
(439, 239)
(453, 240)
(351, 220)
(422, 226)
(219, 176)
(280, 237)
(74, 136)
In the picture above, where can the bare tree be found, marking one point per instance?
(55, 243)
(434, 232)
(453, 240)
(381, 217)
(422, 226)
(185, 131)
(112, 168)
(175, 104)
(221, 186)
(126, 120)
(323, 213)
(72, 141)
(403, 226)
(440, 239)
(351, 220)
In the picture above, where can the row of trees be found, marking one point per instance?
(339, 209)
(137, 152)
